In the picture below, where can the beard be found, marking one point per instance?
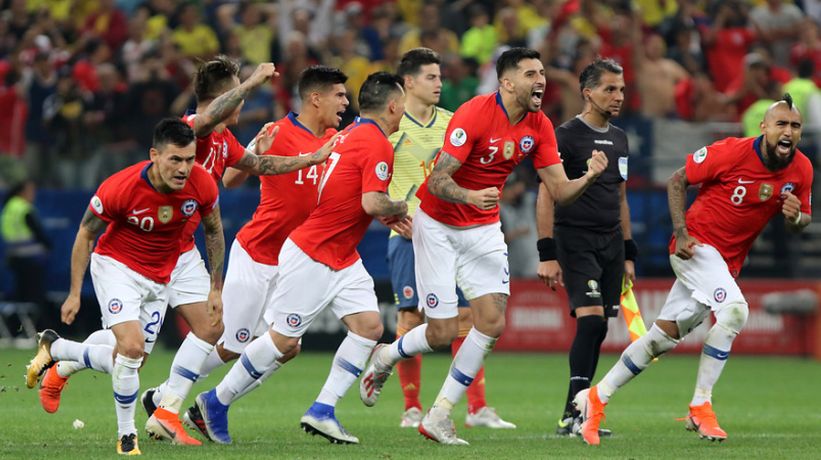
(773, 161)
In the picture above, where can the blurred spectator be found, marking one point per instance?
(727, 41)
(26, 243)
(257, 110)
(63, 117)
(802, 87)
(296, 59)
(509, 29)
(150, 98)
(41, 83)
(107, 23)
(312, 18)
(698, 100)
(355, 66)
(808, 48)
(778, 24)
(254, 34)
(429, 22)
(13, 114)
(460, 82)
(85, 68)
(759, 80)
(137, 44)
(621, 42)
(195, 39)
(654, 12)
(518, 216)
(686, 49)
(481, 39)
(159, 12)
(657, 78)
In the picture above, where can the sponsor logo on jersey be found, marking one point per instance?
(189, 208)
(458, 137)
(788, 187)
(293, 320)
(765, 192)
(243, 335)
(700, 155)
(407, 291)
(382, 171)
(603, 142)
(593, 285)
(720, 295)
(97, 204)
(431, 300)
(623, 167)
(507, 152)
(165, 213)
(115, 306)
(526, 144)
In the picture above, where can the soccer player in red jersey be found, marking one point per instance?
(285, 202)
(457, 234)
(744, 183)
(132, 262)
(319, 267)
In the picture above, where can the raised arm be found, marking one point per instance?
(90, 227)
(441, 184)
(379, 204)
(215, 248)
(264, 165)
(565, 191)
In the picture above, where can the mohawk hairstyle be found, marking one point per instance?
(788, 99)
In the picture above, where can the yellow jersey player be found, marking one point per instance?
(419, 138)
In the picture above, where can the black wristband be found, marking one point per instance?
(547, 249)
(631, 250)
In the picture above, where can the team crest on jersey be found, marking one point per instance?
(526, 144)
(407, 291)
(97, 204)
(509, 148)
(700, 155)
(165, 213)
(788, 187)
(382, 171)
(189, 208)
(765, 192)
(243, 335)
(431, 300)
(293, 320)
(458, 137)
(115, 306)
(720, 295)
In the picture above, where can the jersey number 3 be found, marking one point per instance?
(489, 158)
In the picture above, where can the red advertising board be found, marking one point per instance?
(538, 319)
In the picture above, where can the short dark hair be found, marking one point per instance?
(172, 131)
(591, 75)
(377, 89)
(510, 59)
(212, 76)
(319, 77)
(413, 60)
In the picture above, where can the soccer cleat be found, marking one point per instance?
(702, 420)
(321, 420)
(487, 417)
(587, 402)
(42, 360)
(411, 418)
(214, 416)
(164, 424)
(147, 399)
(565, 426)
(370, 385)
(193, 419)
(127, 445)
(51, 387)
(437, 426)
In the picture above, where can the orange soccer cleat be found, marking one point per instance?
(164, 424)
(592, 413)
(51, 387)
(702, 420)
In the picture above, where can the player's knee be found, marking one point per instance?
(441, 333)
(409, 319)
(131, 347)
(225, 354)
(207, 332)
(291, 354)
(733, 316)
(659, 341)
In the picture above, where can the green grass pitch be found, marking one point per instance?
(768, 405)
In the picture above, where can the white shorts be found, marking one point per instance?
(125, 295)
(305, 287)
(247, 290)
(703, 283)
(190, 281)
(474, 258)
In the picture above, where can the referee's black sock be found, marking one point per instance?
(602, 336)
(584, 355)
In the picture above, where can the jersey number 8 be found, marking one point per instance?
(738, 195)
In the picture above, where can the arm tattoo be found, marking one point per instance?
(440, 182)
(676, 198)
(92, 223)
(267, 165)
(384, 206)
(214, 246)
(219, 109)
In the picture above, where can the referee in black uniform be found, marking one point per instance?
(589, 248)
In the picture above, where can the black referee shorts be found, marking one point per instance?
(592, 266)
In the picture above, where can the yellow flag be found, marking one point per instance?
(631, 312)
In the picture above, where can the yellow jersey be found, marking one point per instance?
(415, 146)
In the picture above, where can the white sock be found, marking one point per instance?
(410, 344)
(66, 368)
(213, 361)
(102, 337)
(349, 360)
(126, 382)
(259, 356)
(256, 383)
(465, 366)
(714, 356)
(82, 355)
(635, 358)
(185, 370)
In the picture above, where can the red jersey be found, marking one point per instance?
(480, 136)
(286, 200)
(739, 195)
(215, 152)
(361, 162)
(145, 225)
